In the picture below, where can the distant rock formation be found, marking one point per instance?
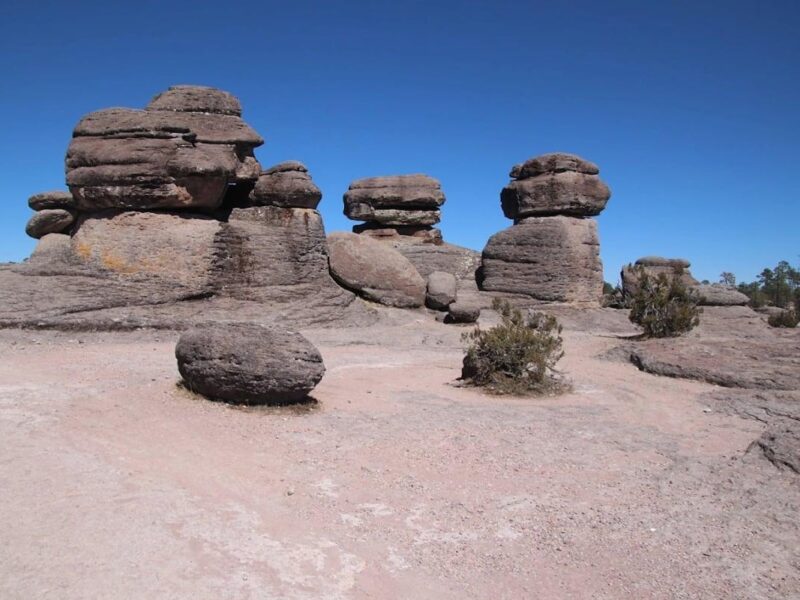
(708, 294)
(169, 203)
(552, 252)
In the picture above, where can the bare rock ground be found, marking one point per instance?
(115, 482)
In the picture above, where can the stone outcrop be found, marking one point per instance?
(441, 290)
(375, 271)
(654, 266)
(396, 205)
(186, 150)
(247, 364)
(717, 294)
(554, 184)
(170, 221)
(552, 252)
(288, 185)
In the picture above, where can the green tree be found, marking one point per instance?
(727, 278)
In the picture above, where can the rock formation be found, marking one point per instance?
(169, 204)
(441, 290)
(395, 205)
(708, 294)
(552, 252)
(248, 364)
(375, 271)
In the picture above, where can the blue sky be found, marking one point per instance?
(691, 109)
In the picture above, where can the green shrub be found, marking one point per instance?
(517, 356)
(663, 306)
(785, 318)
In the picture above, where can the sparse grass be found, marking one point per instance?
(518, 356)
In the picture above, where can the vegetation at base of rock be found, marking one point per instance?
(664, 306)
(785, 318)
(518, 356)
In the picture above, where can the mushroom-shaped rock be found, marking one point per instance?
(441, 291)
(401, 200)
(180, 152)
(56, 199)
(49, 220)
(375, 271)
(248, 364)
(554, 184)
(288, 185)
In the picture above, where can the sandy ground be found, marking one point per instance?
(117, 483)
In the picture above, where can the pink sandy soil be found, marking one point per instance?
(117, 483)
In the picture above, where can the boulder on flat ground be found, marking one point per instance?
(554, 184)
(287, 184)
(187, 149)
(555, 259)
(56, 199)
(441, 291)
(49, 220)
(654, 266)
(717, 294)
(248, 364)
(462, 312)
(375, 270)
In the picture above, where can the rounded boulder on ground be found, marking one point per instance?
(441, 290)
(375, 270)
(248, 364)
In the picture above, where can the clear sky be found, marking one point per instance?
(690, 108)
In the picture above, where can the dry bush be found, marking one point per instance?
(785, 318)
(518, 356)
(663, 306)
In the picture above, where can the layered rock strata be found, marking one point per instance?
(406, 205)
(552, 252)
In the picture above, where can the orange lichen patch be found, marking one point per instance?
(116, 264)
(83, 250)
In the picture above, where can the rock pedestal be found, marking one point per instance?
(552, 252)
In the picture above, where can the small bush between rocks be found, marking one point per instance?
(663, 306)
(517, 356)
(785, 318)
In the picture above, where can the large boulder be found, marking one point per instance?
(287, 184)
(717, 294)
(49, 220)
(375, 270)
(441, 291)
(56, 199)
(553, 259)
(248, 364)
(554, 184)
(187, 149)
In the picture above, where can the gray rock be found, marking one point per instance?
(554, 162)
(461, 312)
(196, 98)
(246, 364)
(288, 185)
(441, 291)
(422, 233)
(564, 193)
(375, 270)
(395, 200)
(655, 266)
(660, 261)
(717, 294)
(554, 259)
(56, 199)
(49, 220)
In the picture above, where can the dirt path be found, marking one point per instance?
(115, 483)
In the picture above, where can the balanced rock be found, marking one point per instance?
(554, 259)
(49, 220)
(248, 364)
(375, 271)
(441, 291)
(57, 199)
(554, 184)
(407, 204)
(187, 149)
(287, 184)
